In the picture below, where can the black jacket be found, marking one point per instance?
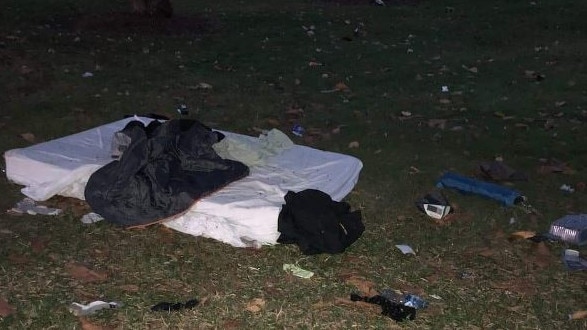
(164, 170)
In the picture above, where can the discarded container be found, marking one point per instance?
(414, 301)
(571, 229)
(434, 205)
(298, 130)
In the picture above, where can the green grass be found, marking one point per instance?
(256, 55)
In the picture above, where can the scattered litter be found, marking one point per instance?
(169, 307)
(379, 2)
(437, 297)
(204, 85)
(435, 205)
(298, 130)
(29, 206)
(571, 229)
(406, 249)
(567, 189)
(183, 110)
(91, 308)
(444, 89)
(394, 310)
(91, 218)
(297, 271)
(87, 75)
(573, 260)
(406, 114)
(309, 30)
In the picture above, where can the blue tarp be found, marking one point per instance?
(468, 185)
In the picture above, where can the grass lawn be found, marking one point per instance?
(363, 80)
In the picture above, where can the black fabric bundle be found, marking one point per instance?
(162, 172)
(394, 310)
(317, 224)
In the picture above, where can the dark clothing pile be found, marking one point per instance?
(317, 224)
(394, 310)
(161, 173)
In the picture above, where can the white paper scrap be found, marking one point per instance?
(297, 271)
(406, 249)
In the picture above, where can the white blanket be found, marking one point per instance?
(244, 211)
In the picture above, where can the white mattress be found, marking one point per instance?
(245, 210)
